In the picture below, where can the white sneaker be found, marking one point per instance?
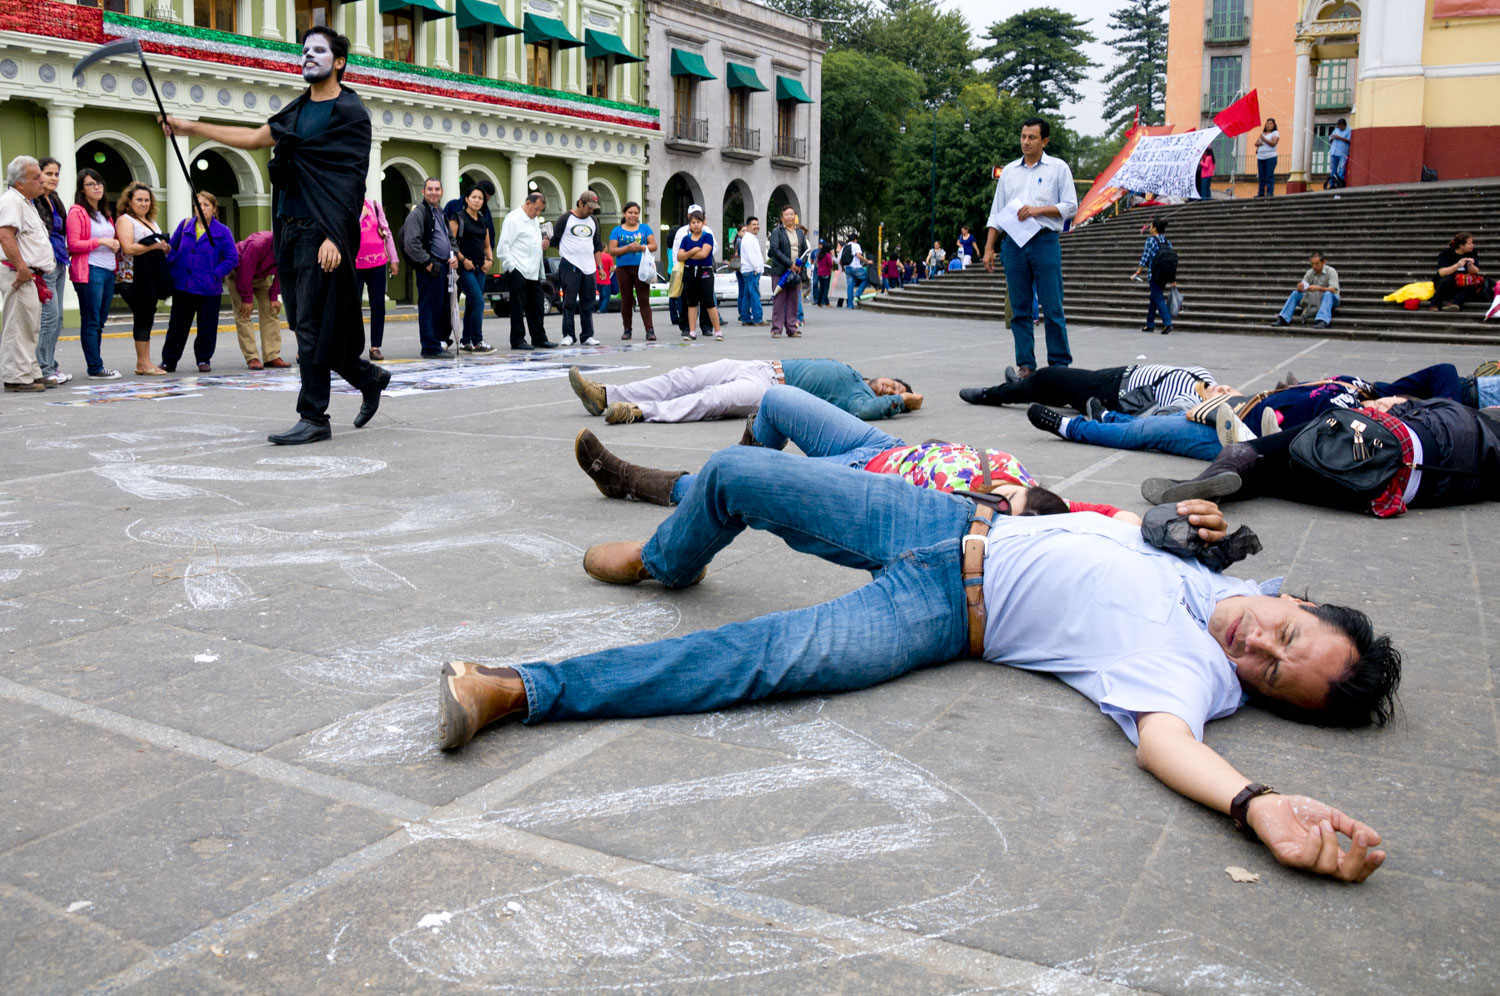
(58, 378)
(591, 341)
(569, 340)
(106, 375)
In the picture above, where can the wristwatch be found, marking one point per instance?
(1239, 809)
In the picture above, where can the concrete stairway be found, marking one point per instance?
(1239, 260)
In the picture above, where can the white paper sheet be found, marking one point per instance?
(1020, 232)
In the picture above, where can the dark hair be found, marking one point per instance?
(1318, 253)
(534, 196)
(431, 179)
(336, 42)
(628, 206)
(1366, 694)
(48, 201)
(696, 214)
(46, 161)
(1459, 240)
(1160, 224)
(1343, 123)
(1041, 123)
(1271, 122)
(749, 220)
(486, 186)
(105, 207)
(1040, 501)
(1209, 152)
(905, 387)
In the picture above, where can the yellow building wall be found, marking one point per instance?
(1461, 41)
(1185, 63)
(1273, 62)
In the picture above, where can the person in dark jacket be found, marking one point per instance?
(199, 261)
(788, 245)
(425, 240)
(1456, 450)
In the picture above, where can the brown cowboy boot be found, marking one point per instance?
(472, 696)
(617, 479)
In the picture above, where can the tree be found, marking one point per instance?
(934, 43)
(1140, 78)
(1037, 55)
(863, 99)
(843, 20)
(1092, 154)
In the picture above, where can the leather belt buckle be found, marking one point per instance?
(982, 540)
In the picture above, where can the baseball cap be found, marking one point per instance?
(588, 197)
(694, 207)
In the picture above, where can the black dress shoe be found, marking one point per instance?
(441, 354)
(547, 344)
(524, 347)
(371, 395)
(303, 432)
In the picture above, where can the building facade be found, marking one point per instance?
(1417, 80)
(529, 94)
(738, 86)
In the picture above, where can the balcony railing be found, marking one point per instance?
(1213, 103)
(1334, 98)
(742, 139)
(1226, 31)
(790, 147)
(693, 130)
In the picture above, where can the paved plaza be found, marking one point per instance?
(218, 702)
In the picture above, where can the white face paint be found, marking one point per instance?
(317, 59)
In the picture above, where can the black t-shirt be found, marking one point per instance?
(1450, 256)
(472, 237)
(313, 119)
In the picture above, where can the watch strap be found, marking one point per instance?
(1239, 809)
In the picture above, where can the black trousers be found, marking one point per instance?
(185, 309)
(525, 309)
(578, 299)
(304, 290)
(1277, 475)
(1053, 385)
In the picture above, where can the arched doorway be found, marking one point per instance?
(400, 188)
(739, 207)
(213, 174)
(546, 184)
(609, 203)
(473, 174)
(780, 198)
(118, 159)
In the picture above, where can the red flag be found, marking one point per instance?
(1240, 116)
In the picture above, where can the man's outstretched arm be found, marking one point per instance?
(1301, 832)
(235, 136)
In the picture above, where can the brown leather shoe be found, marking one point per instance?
(254, 363)
(472, 696)
(590, 392)
(617, 563)
(277, 363)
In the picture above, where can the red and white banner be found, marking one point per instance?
(1166, 165)
(1102, 194)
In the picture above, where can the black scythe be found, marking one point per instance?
(128, 46)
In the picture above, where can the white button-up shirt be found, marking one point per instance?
(520, 245)
(1047, 184)
(752, 256)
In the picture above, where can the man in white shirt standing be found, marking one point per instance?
(856, 269)
(679, 313)
(1033, 272)
(520, 252)
(580, 247)
(27, 252)
(752, 265)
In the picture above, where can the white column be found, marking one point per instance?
(360, 35)
(179, 195)
(1309, 111)
(635, 187)
(376, 175)
(572, 59)
(518, 189)
(1302, 81)
(448, 170)
(61, 140)
(443, 28)
(512, 49)
(270, 22)
(580, 179)
(628, 71)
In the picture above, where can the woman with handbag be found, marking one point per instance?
(376, 258)
(203, 253)
(142, 279)
(635, 269)
(92, 260)
(787, 248)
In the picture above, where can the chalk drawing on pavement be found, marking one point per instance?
(158, 481)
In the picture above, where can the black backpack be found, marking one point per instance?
(847, 256)
(1164, 266)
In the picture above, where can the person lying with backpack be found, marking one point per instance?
(1159, 259)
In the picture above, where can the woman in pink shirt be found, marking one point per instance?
(376, 258)
(1206, 174)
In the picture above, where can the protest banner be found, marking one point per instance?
(1166, 165)
(1104, 192)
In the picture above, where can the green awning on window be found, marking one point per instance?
(549, 29)
(790, 89)
(598, 44)
(482, 14)
(686, 63)
(429, 8)
(742, 77)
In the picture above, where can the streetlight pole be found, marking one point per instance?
(933, 237)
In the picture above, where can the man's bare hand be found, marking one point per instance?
(1219, 390)
(178, 126)
(546, 243)
(329, 257)
(911, 402)
(989, 260)
(1206, 516)
(243, 311)
(1384, 404)
(1304, 833)
(276, 308)
(23, 277)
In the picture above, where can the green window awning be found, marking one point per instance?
(790, 89)
(742, 77)
(598, 44)
(483, 14)
(549, 29)
(686, 63)
(429, 8)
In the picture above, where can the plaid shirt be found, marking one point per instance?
(1390, 502)
(1152, 247)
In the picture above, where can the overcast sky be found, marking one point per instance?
(1088, 115)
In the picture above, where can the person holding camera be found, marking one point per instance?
(1459, 277)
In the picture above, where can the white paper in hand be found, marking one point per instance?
(1020, 231)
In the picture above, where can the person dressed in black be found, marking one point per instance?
(475, 255)
(1459, 277)
(322, 154)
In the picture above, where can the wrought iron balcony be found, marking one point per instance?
(745, 141)
(690, 131)
(1338, 98)
(1226, 31)
(791, 148)
(1214, 102)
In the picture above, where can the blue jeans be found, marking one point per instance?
(1033, 273)
(854, 278)
(821, 430)
(911, 615)
(606, 291)
(52, 312)
(1158, 303)
(1164, 433)
(1336, 165)
(471, 286)
(750, 306)
(1441, 380)
(432, 309)
(1325, 306)
(94, 299)
(1265, 170)
(820, 290)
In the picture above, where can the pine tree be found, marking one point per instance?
(1140, 77)
(1037, 55)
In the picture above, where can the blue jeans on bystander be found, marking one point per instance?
(1033, 273)
(94, 299)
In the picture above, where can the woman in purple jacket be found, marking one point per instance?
(198, 268)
